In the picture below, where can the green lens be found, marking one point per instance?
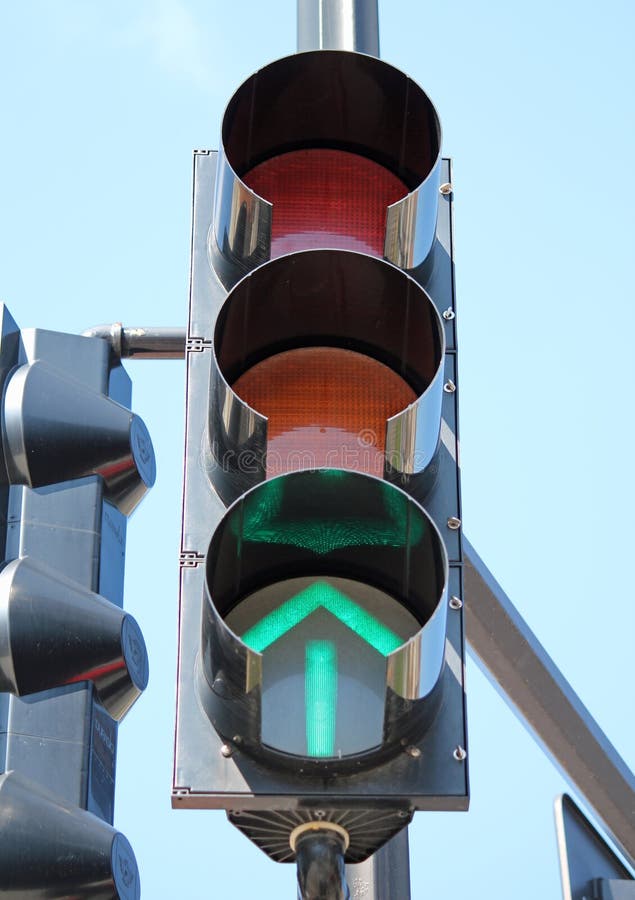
(320, 688)
(324, 642)
(325, 525)
(321, 594)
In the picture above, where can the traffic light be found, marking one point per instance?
(320, 682)
(326, 149)
(75, 463)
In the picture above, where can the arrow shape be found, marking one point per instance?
(320, 697)
(321, 594)
(320, 675)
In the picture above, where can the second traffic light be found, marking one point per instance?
(75, 463)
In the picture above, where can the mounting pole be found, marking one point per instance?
(354, 25)
(319, 854)
(338, 25)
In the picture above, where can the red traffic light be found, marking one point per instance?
(326, 198)
(326, 149)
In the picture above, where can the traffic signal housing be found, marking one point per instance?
(75, 463)
(321, 641)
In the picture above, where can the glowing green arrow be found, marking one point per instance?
(321, 594)
(320, 693)
(321, 656)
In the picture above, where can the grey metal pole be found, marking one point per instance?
(354, 25)
(319, 857)
(546, 703)
(338, 25)
(385, 875)
(141, 342)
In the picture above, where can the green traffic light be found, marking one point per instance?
(324, 642)
(321, 594)
(320, 691)
(266, 521)
(321, 674)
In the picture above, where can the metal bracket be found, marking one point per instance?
(189, 559)
(197, 344)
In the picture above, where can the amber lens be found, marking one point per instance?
(326, 198)
(325, 407)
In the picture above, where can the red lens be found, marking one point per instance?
(326, 198)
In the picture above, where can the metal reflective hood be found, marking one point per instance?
(55, 632)
(56, 429)
(326, 99)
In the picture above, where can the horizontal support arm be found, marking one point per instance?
(141, 343)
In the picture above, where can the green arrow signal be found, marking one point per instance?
(321, 594)
(320, 696)
(321, 656)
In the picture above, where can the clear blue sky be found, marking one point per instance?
(101, 107)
